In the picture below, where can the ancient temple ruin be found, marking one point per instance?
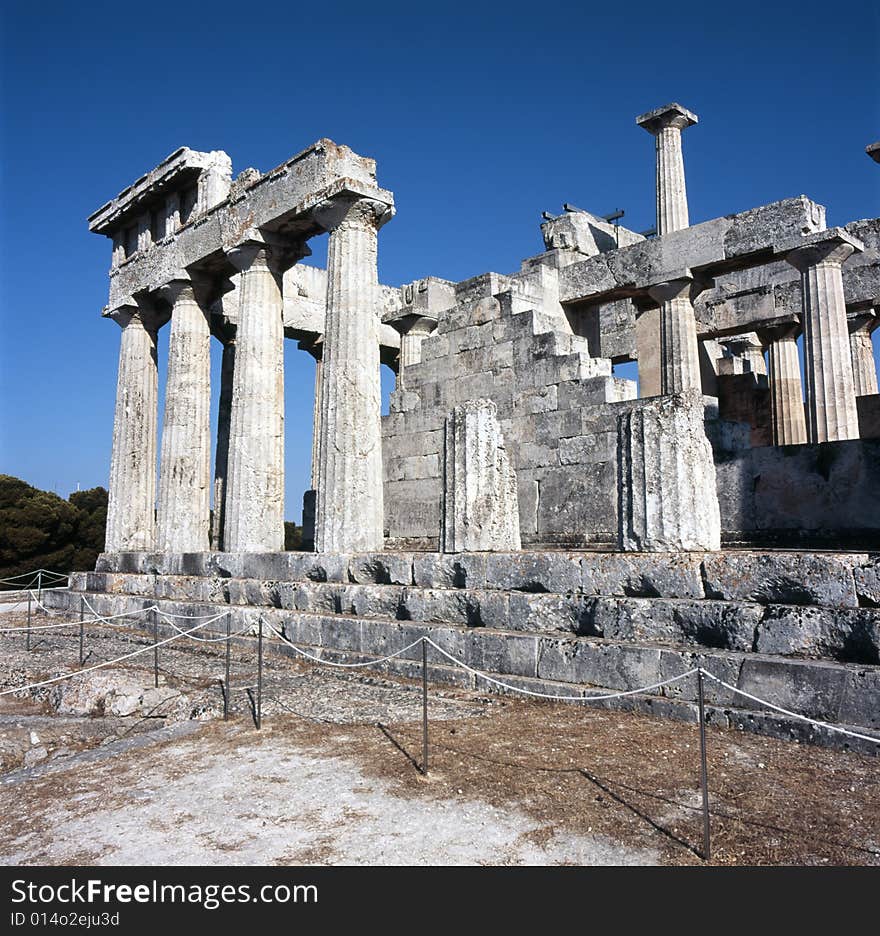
(538, 514)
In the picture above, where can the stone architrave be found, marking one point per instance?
(666, 477)
(831, 397)
(679, 351)
(131, 517)
(665, 125)
(786, 391)
(185, 461)
(480, 502)
(862, 351)
(350, 506)
(254, 503)
(221, 457)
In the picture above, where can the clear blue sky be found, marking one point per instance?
(479, 115)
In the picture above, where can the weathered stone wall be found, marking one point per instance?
(823, 496)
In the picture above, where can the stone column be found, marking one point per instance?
(411, 345)
(254, 502)
(862, 351)
(679, 352)
(315, 348)
(131, 518)
(350, 510)
(665, 125)
(185, 460)
(831, 397)
(786, 393)
(221, 458)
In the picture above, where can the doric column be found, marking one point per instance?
(350, 513)
(862, 351)
(665, 125)
(679, 353)
(254, 503)
(131, 523)
(185, 460)
(786, 393)
(221, 457)
(411, 344)
(831, 397)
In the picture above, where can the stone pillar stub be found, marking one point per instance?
(480, 500)
(350, 505)
(679, 351)
(131, 524)
(665, 125)
(666, 477)
(254, 503)
(830, 388)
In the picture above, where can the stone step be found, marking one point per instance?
(839, 693)
(844, 634)
(836, 580)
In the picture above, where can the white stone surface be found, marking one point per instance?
(480, 503)
(862, 351)
(131, 521)
(350, 514)
(666, 477)
(185, 461)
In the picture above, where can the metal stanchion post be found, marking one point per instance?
(39, 587)
(82, 615)
(260, 675)
(155, 648)
(424, 707)
(226, 684)
(29, 623)
(704, 773)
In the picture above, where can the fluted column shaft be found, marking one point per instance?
(862, 352)
(184, 464)
(831, 397)
(350, 513)
(672, 203)
(679, 351)
(221, 457)
(786, 392)
(254, 502)
(131, 522)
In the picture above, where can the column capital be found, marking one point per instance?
(352, 211)
(314, 346)
(682, 284)
(669, 115)
(873, 150)
(130, 310)
(832, 246)
(273, 251)
(778, 331)
(863, 320)
(181, 286)
(409, 323)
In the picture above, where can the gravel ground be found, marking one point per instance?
(332, 776)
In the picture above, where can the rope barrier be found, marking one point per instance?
(148, 648)
(310, 656)
(220, 639)
(779, 708)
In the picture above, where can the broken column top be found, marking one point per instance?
(176, 172)
(667, 115)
